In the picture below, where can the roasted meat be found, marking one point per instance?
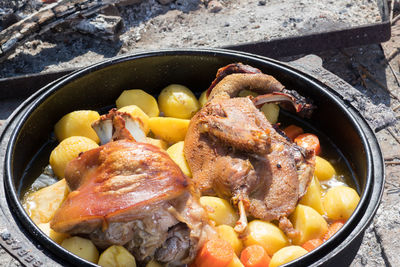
(234, 152)
(132, 194)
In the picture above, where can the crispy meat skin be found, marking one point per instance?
(131, 194)
(234, 152)
(116, 178)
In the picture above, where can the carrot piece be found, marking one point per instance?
(332, 229)
(215, 252)
(292, 131)
(309, 141)
(254, 256)
(312, 244)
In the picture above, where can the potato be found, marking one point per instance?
(171, 130)
(309, 223)
(81, 247)
(153, 263)
(157, 142)
(235, 262)
(227, 233)
(340, 202)
(136, 112)
(140, 98)
(55, 236)
(323, 169)
(267, 235)
(176, 153)
(313, 196)
(286, 255)
(43, 204)
(117, 256)
(271, 112)
(178, 101)
(77, 123)
(67, 150)
(219, 210)
(245, 93)
(203, 98)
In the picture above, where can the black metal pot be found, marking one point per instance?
(29, 128)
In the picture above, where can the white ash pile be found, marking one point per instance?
(23, 20)
(74, 33)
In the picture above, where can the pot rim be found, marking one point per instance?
(354, 226)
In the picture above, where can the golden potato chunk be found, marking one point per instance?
(81, 247)
(323, 169)
(67, 150)
(245, 93)
(116, 256)
(219, 210)
(267, 235)
(77, 123)
(203, 98)
(309, 223)
(42, 204)
(227, 233)
(286, 255)
(140, 98)
(178, 101)
(235, 262)
(171, 130)
(153, 263)
(176, 153)
(271, 112)
(157, 142)
(55, 236)
(136, 112)
(340, 202)
(313, 196)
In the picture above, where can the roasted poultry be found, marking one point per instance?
(235, 153)
(132, 194)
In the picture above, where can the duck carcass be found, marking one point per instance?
(235, 153)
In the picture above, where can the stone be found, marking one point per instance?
(377, 115)
(214, 6)
(102, 26)
(262, 2)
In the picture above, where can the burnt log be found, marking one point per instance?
(82, 15)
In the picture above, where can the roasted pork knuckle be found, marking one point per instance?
(132, 194)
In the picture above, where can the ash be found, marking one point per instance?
(150, 25)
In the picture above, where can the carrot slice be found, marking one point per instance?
(254, 256)
(292, 131)
(309, 141)
(215, 252)
(332, 229)
(312, 244)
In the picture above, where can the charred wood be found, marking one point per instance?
(82, 15)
